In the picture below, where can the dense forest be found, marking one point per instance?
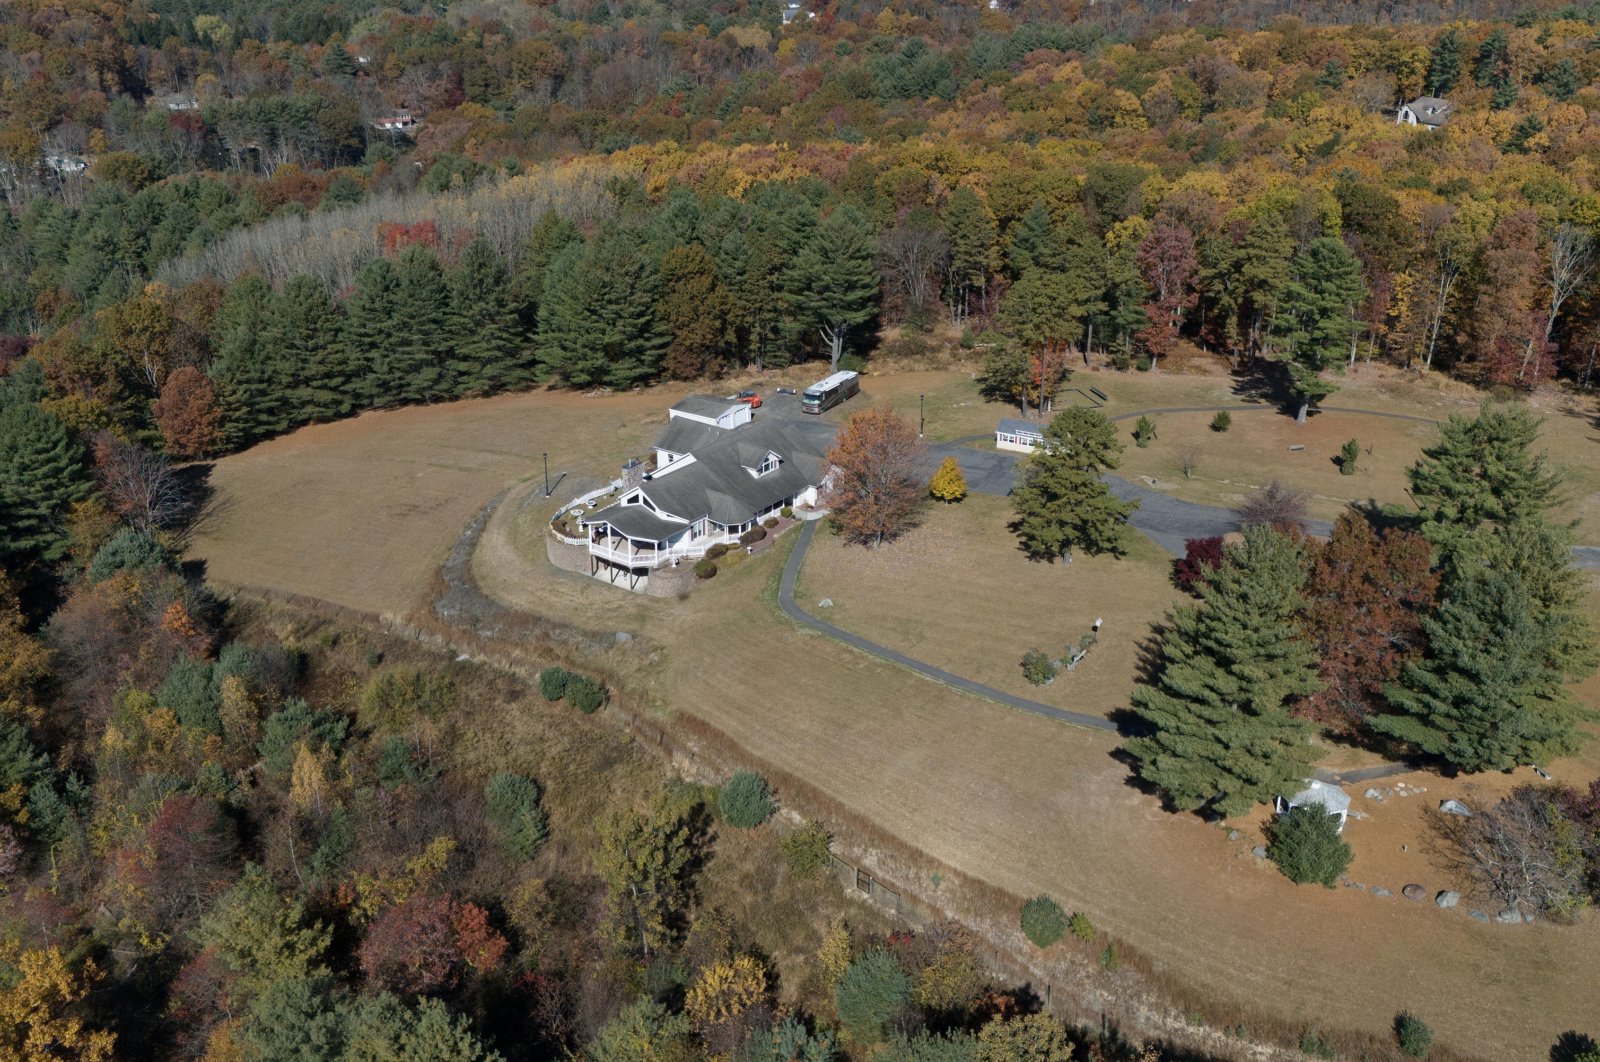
(244, 834)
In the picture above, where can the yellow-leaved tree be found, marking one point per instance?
(724, 991)
(40, 1014)
(948, 483)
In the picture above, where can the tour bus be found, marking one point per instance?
(830, 392)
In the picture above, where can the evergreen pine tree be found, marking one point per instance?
(371, 313)
(552, 234)
(420, 343)
(1562, 81)
(489, 351)
(1265, 271)
(246, 372)
(304, 334)
(1061, 502)
(677, 223)
(1494, 58)
(695, 310)
(1484, 697)
(1221, 734)
(974, 250)
(1482, 471)
(42, 472)
(1444, 64)
(833, 285)
(1123, 295)
(598, 324)
(1035, 243)
(1317, 316)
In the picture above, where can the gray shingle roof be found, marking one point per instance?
(717, 485)
(1430, 110)
(1013, 426)
(683, 436)
(636, 521)
(704, 405)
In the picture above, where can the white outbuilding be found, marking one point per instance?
(1333, 799)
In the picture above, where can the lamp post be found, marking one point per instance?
(547, 475)
(922, 420)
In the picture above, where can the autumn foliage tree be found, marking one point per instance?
(948, 484)
(875, 486)
(188, 414)
(1365, 601)
(425, 944)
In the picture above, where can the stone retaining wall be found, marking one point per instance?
(670, 581)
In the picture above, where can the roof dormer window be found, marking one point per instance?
(768, 464)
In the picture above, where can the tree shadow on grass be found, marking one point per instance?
(1572, 1046)
(204, 506)
(1265, 381)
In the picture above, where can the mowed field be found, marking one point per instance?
(959, 592)
(361, 513)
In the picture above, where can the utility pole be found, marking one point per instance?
(547, 475)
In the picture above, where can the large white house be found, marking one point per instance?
(712, 482)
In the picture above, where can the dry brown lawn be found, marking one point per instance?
(957, 591)
(360, 513)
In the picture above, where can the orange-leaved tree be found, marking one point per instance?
(875, 484)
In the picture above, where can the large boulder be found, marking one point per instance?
(1413, 891)
(1455, 807)
(1447, 899)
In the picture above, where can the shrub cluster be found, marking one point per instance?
(1043, 921)
(1413, 1035)
(1307, 847)
(515, 814)
(806, 849)
(1222, 421)
(585, 694)
(1037, 667)
(705, 568)
(1349, 453)
(752, 536)
(787, 512)
(745, 801)
(770, 522)
(553, 682)
(1143, 432)
(717, 552)
(1081, 927)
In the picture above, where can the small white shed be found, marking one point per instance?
(1335, 800)
(1023, 436)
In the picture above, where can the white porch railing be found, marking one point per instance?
(581, 500)
(654, 558)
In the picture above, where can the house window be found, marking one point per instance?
(768, 464)
(648, 504)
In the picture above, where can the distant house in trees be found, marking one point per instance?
(179, 101)
(398, 122)
(1023, 436)
(65, 164)
(1333, 799)
(793, 9)
(1429, 112)
(717, 475)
